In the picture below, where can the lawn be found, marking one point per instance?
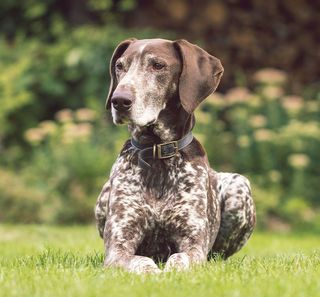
(67, 261)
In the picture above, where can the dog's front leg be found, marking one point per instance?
(101, 208)
(124, 231)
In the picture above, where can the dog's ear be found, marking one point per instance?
(115, 56)
(200, 75)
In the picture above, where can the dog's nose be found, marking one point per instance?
(121, 101)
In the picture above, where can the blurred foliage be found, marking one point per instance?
(70, 158)
(72, 162)
(48, 20)
(19, 202)
(71, 72)
(271, 136)
(246, 35)
(57, 144)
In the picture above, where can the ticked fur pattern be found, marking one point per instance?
(180, 211)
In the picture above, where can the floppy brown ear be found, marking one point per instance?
(200, 76)
(115, 56)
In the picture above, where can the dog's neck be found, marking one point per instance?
(172, 124)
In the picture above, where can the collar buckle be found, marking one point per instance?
(165, 150)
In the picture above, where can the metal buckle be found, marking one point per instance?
(164, 155)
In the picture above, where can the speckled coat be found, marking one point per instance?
(179, 211)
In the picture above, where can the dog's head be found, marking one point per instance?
(146, 74)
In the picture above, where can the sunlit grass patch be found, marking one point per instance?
(67, 261)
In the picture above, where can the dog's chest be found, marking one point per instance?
(172, 198)
(158, 189)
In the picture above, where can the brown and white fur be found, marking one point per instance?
(180, 211)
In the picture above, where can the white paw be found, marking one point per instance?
(142, 265)
(178, 261)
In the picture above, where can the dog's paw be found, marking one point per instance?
(178, 261)
(143, 265)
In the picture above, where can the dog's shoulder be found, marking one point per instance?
(124, 159)
(195, 154)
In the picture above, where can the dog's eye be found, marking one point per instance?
(157, 66)
(119, 66)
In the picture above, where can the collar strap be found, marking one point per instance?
(160, 151)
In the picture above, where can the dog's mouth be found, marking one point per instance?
(126, 120)
(119, 121)
(151, 122)
(121, 118)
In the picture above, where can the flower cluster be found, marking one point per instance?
(70, 126)
(268, 134)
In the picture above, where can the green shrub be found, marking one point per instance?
(271, 137)
(19, 203)
(70, 163)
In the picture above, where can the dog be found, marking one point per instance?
(163, 202)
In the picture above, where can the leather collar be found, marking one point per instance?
(160, 151)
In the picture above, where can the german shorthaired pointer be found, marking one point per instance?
(163, 202)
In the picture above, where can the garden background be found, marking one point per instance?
(57, 142)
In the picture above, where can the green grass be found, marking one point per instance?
(67, 261)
